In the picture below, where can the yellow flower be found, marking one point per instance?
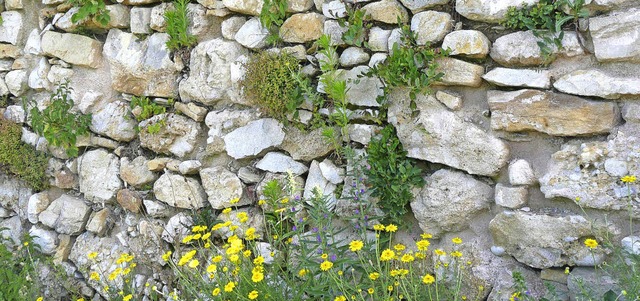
(81, 299)
(324, 256)
(234, 201)
(439, 252)
(257, 276)
(426, 235)
(186, 257)
(399, 247)
(340, 273)
(390, 288)
(242, 217)
(94, 276)
(371, 291)
(258, 260)
(456, 254)
(391, 228)
(407, 258)
(166, 256)
(421, 255)
(194, 263)
(284, 201)
(216, 291)
(226, 210)
(423, 245)
(39, 299)
(394, 273)
(212, 268)
(628, 179)
(127, 297)
(515, 296)
(428, 279)
(253, 294)
(356, 245)
(591, 243)
(246, 253)
(216, 258)
(457, 240)
(206, 236)
(262, 202)
(387, 255)
(303, 272)
(378, 227)
(229, 286)
(92, 255)
(326, 265)
(373, 276)
(340, 298)
(234, 258)
(566, 270)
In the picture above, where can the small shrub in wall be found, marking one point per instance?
(177, 25)
(21, 159)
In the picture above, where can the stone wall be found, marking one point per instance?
(515, 147)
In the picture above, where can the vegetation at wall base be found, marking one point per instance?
(18, 270)
(20, 159)
(177, 27)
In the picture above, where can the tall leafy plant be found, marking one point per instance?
(177, 26)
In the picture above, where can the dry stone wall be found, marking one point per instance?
(514, 147)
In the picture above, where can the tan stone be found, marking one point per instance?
(72, 48)
(301, 28)
(387, 11)
(129, 200)
(9, 51)
(247, 7)
(459, 73)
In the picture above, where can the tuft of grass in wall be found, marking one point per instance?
(545, 20)
(21, 159)
(90, 9)
(177, 25)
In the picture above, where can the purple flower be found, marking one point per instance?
(294, 228)
(356, 211)
(334, 257)
(318, 238)
(314, 230)
(362, 190)
(297, 197)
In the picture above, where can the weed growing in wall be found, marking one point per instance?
(57, 123)
(18, 270)
(177, 26)
(21, 159)
(545, 20)
(272, 15)
(358, 25)
(88, 9)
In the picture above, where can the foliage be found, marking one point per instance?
(358, 25)
(177, 26)
(147, 109)
(272, 15)
(21, 159)
(545, 20)
(391, 173)
(410, 65)
(18, 270)
(57, 123)
(274, 83)
(95, 9)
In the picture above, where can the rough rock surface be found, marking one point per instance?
(521, 49)
(431, 26)
(179, 191)
(511, 197)
(177, 136)
(114, 121)
(542, 241)
(46, 240)
(578, 172)
(551, 113)
(254, 138)
(387, 11)
(302, 28)
(252, 34)
(98, 171)
(221, 122)
(616, 37)
(66, 214)
(597, 83)
(467, 43)
(222, 187)
(279, 162)
(521, 173)
(72, 48)
(438, 135)
(459, 73)
(135, 172)
(12, 27)
(449, 200)
(316, 180)
(303, 146)
(141, 67)
(527, 78)
(248, 7)
(210, 78)
(419, 5)
(488, 10)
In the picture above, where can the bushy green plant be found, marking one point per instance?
(21, 159)
(177, 26)
(88, 9)
(57, 123)
(358, 24)
(272, 82)
(18, 273)
(410, 65)
(272, 15)
(545, 20)
(147, 109)
(391, 174)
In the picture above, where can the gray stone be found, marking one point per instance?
(11, 231)
(32, 46)
(448, 201)
(254, 138)
(353, 56)
(177, 227)
(631, 112)
(38, 76)
(543, 241)
(103, 188)
(157, 21)
(114, 122)
(46, 240)
(211, 73)
(306, 146)
(438, 135)
(17, 82)
(616, 168)
(362, 133)
(221, 122)
(302, 28)
(72, 48)
(521, 49)
(177, 136)
(119, 16)
(109, 249)
(616, 37)
(157, 209)
(334, 9)
(191, 110)
(12, 27)
(141, 20)
(511, 197)
(252, 34)
(298, 6)
(14, 113)
(488, 10)
(551, 113)
(379, 39)
(278, 162)
(231, 26)
(317, 182)
(13, 5)
(431, 26)
(66, 214)
(179, 191)
(249, 175)
(459, 73)
(419, 5)
(521, 173)
(590, 282)
(527, 78)
(333, 29)
(99, 222)
(37, 203)
(467, 43)
(555, 275)
(135, 172)
(4, 90)
(451, 100)
(141, 67)
(247, 7)
(58, 75)
(200, 24)
(189, 167)
(388, 11)
(222, 187)
(331, 172)
(362, 91)
(594, 82)
(631, 244)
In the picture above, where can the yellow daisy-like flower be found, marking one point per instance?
(356, 245)
(303, 272)
(390, 288)
(80, 299)
(399, 247)
(628, 179)
(246, 253)
(391, 228)
(194, 263)
(284, 201)
(216, 291)
(127, 297)
(373, 276)
(340, 298)
(566, 270)
(394, 273)
(39, 299)
(456, 240)
(94, 276)
(261, 202)
(591, 243)
(206, 236)
(258, 260)
(440, 252)
(226, 210)
(407, 258)
(216, 258)
(186, 257)
(426, 236)
(421, 255)
(197, 236)
(371, 291)
(253, 295)
(324, 256)
(234, 201)
(515, 296)
(423, 245)
(212, 268)
(379, 227)
(250, 233)
(428, 279)
(387, 255)
(229, 286)
(257, 276)
(92, 255)
(326, 265)
(242, 217)
(456, 254)
(234, 258)
(166, 256)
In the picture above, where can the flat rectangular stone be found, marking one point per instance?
(459, 73)
(616, 37)
(72, 48)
